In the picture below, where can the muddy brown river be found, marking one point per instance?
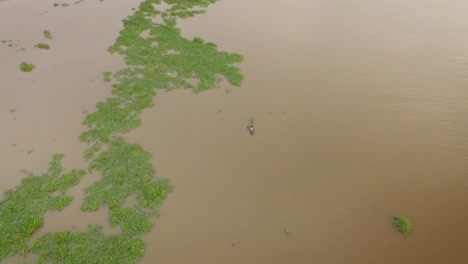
(361, 113)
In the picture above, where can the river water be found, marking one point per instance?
(361, 113)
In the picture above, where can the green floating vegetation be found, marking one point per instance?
(23, 208)
(107, 76)
(126, 169)
(112, 116)
(174, 61)
(89, 152)
(91, 246)
(12, 110)
(42, 46)
(403, 224)
(27, 67)
(64, 4)
(163, 60)
(47, 34)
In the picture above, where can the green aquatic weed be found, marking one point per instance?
(23, 208)
(27, 67)
(47, 34)
(42, 46)
(403, 224)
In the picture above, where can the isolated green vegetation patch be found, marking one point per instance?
(47, 34)
(42, 46)
(23, 208)
(27, 67)
(403, 224)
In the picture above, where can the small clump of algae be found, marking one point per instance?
(164, 60)
(403, 224)
(42, 46)
(64, 4)
(47, 34)
(27, 67)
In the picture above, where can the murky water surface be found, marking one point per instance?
(361, 111)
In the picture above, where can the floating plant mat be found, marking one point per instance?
(162, 59)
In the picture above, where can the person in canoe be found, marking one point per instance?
(250, 127)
